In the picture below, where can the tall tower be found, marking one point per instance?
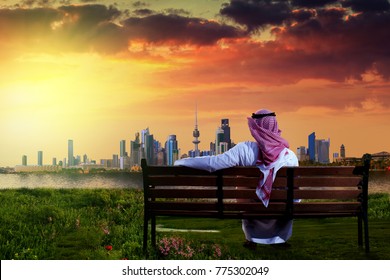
(226, 132)
(171, 148)
(122, 144)
(70, 153)
(40, 158)
(219, 139)
(342, 151)
(196, 134)
(312, 146)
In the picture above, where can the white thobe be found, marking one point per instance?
(246, 154)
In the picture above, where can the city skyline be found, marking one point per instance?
(172, 144)
(96, 71)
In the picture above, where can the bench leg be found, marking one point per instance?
(366, 240)
(360, 230)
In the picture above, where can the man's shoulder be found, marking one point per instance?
(247, 146)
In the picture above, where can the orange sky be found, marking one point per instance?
(98, 72)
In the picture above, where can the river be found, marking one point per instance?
(379, 181)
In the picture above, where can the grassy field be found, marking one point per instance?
(103, 224)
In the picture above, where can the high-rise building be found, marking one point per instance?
(24, 160)
(226, 132)
(144, 134)
(149, 149)
(40, 158)
(115, 161)
(322, 150)
(342, 151)
(312, 146)
(171, 148)
(301, 153)
(54, 162)
(122, 148)
(196, 135)
(219, 138)
(135, 152)
(70, 153)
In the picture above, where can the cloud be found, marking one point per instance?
(257, 14)
(367, 6)
(312, 4)
(160, 28)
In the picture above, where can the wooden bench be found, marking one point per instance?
(230, 193)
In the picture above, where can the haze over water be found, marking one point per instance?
(379, 181)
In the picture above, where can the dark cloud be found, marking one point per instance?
(160, 28)
(257, 13)
(312, 3)
(367, 5)
(143, 12)
(91, 15)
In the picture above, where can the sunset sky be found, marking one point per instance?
(98, 72)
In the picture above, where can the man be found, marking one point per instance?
(269, 152)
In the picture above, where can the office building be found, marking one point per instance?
(322, 151)
(54, 162)
(70, 153)
(135, 150)
(226, 132)
(302, 153)
(342, 151)
(122, 148)
(40, 158)
(219, 138)
(149, 149)
(171, 148)
(24, 160)
(312, 146)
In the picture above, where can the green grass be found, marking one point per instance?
(80, 223)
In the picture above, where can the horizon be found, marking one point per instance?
(99, 71)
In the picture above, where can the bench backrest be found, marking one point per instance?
(325, 191)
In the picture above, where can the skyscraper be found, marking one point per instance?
(135, 150)
(196, 134)
(149, 149)
(40, 158)
(24, 160)
(70, 153)
(171, 148)
(219, 138)
(322, 150)
(312, 146)
(342, 151)
(122, 148)
(226, 132)
(144, 134)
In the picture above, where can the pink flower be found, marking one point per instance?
(108, 247)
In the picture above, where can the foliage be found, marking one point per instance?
(106, 224)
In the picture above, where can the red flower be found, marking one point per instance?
(108, 247)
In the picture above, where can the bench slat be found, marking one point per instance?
(327, 194)
(182, 181)
(210, 193)
(326, 171)
(327, 181)
(329, 207)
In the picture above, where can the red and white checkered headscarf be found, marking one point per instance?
(267, 134)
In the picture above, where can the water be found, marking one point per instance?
(379, 181)
(53, 180)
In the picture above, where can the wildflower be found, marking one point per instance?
(108, 247)
(217, 252)
(77, 223)
(106, 231)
